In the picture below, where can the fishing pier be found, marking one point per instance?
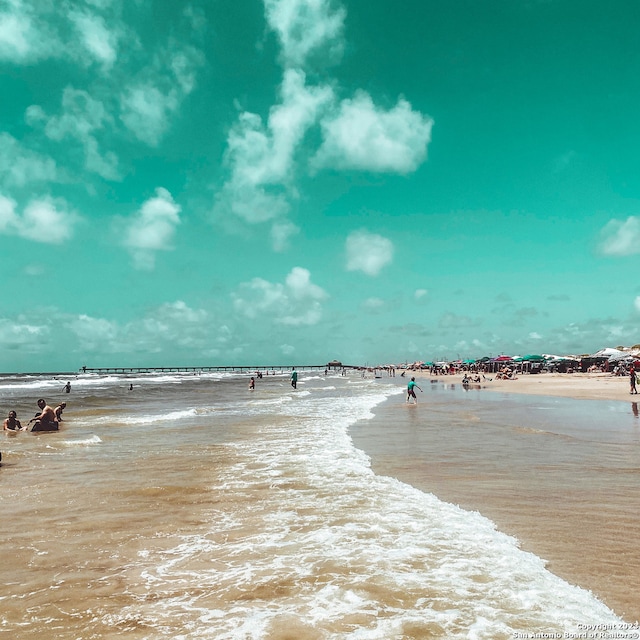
(226, 369)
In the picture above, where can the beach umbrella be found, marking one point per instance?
(503, 359)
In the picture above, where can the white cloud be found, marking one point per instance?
(621, 238)
(420, 294)
(43, 220)
(8, 216)
(306, 27)
(93, 333)
(152, 228)
(145, 110)
(155, 95)
(20, 166)
(99, 41)
(636, 303)
(281, 232)
(34, 31)
(261, 157)
(20, 334)
(365, 137)
(368, 252)
(171, 323)
(81, 119)
(15, 34)
(294, 303)
(25, 33)
(373, 305)
(48, 221)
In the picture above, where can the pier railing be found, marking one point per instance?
(229, 369)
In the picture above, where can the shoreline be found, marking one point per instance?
(562, 477)
(580, 386)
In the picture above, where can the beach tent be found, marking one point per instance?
(607, 353)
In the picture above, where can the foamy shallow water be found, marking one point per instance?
(252, 515)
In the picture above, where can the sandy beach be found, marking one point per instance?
(552, 459)
(582, 386)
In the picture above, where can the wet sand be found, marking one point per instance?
(560, 474)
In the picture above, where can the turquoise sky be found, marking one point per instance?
(292, 181)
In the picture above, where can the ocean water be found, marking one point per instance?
(191, 507)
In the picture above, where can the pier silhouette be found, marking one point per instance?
(228, 368)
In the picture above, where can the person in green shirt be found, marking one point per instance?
(294, 379)
(411, 390)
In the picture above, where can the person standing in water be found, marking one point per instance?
(252, 384)
(411, 390)
(294, 379)
(67, 388)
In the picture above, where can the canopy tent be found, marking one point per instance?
(529, 358)
(608, 352)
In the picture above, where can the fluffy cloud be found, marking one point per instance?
(93, 333)
(368, 252)
(43, 220)
(149, 101)
(171, 323)
(145, 111)
(281, 232)
(306, 27)
(296, 302)
(420, 294)
(20, 166)
(99, 41)
(81, 119)
(365, 137)
(152, 228)
(33, 31)
(261, 157)
(25, 33)
(621, 238)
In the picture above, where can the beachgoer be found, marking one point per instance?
(252, 383)
(294, 379)
(410, 390)
(58, 411)
(12, 423)
(67, 388)
(131, 387)
(632, 380)
(46, 419)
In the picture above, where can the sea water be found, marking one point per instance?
(191, 507)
